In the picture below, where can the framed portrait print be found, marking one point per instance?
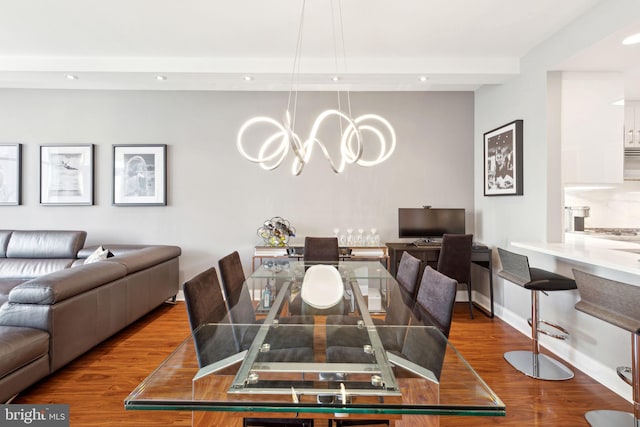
(66, 174)
(503, 160)
(140, 175)
(10, 174)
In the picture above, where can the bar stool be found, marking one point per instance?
(618, 304)
(515, 268)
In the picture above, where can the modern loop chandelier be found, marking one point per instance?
(369, 129)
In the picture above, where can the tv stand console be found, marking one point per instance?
(428, 254)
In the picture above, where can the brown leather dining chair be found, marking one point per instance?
(206, 306)
(435, 299)
(454, 260)
(321, 249)
(408, 273)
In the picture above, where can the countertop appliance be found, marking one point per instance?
(632, 164)
(574, 217)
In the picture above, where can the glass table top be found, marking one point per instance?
(296, 358)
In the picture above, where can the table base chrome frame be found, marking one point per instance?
(533, 363)
(241, 383)
(606, 418)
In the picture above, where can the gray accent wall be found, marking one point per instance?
(217, 199)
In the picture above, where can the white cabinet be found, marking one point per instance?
(631, 124)
(591, 128)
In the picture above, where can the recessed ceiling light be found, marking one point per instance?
(423, 78)
(335, 78)
(633, 39)
(619, 102)
(161, 78)
(248, 78)
(71, 77)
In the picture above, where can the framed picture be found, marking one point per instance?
(503, 160)
(10, 174)
(66, 174)
(140, 175)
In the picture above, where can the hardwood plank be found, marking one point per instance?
(96, 384)
(483, 341)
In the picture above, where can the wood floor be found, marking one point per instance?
(96, 384)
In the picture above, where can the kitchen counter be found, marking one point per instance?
(598, 251)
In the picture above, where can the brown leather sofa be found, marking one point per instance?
(54, 307)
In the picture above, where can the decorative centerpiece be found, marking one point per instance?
(276, 231)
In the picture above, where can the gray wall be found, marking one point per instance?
(216, 198)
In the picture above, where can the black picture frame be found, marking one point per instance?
(67, 174)
(140, 175)
(10, 174)
(503, 160)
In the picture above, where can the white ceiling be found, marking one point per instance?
(212, 45)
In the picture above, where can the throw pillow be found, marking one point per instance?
(99, 254)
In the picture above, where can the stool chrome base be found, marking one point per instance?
(538, 366)
(606, 418)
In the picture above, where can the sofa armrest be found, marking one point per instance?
(60, 285)
(144, 257)
(135, 257)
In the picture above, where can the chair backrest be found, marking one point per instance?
(436, 298)
(236, 293)
(614, 302)
(455, 257)
(203, 298)
(321, 249)
(408, 272)
(515, 267)
(425, 347)
(399, 310)
(207, 312)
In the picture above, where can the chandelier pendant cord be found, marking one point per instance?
(335, 60)
(336, 55)
(296, 67)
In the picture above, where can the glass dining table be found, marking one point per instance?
(372, 355)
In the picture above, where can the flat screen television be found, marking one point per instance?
(423, 223)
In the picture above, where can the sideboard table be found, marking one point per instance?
(296, 253)
(480, 255)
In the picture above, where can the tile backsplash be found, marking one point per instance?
(617, 207)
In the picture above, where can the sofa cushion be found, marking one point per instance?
(63, 284)
(45, 244)
(4, 241)
(100, 254)
(25, 268)
(20, 346)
